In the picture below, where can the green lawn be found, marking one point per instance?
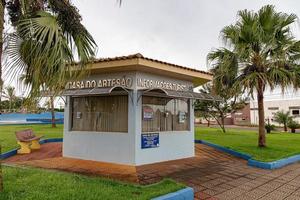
(33, 184)
(279, 145)
(8, 138)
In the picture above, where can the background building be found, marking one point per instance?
(276, 101)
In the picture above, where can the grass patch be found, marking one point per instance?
(30, 184)
(8, 138)
(279, 145)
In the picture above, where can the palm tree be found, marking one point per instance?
(45, 42)
(1, 177)
(2, 2)
(282, 117)
(11, 95)
(48, 37)
(260, 51)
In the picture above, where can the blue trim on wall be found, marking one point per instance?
(183, 194)
(14, 151)
(251, 162)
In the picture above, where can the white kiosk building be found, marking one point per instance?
(132, 110)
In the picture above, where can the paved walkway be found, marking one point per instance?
(212, 174)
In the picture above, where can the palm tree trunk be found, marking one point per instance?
(52, 112)
(261, 118)
(9, 106)
(1, 177)
(285, 127)
(1, 45)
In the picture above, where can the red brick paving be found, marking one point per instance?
(49, 150)
(212, 174)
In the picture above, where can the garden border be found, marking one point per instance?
(14, 151)
(186, 194)
(251, 162)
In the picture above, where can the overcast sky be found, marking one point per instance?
(177, 31)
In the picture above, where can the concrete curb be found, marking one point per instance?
(14, 151)
(183, 194)
(226, 150)
(275, 164)
(23, 124)
(251, 162)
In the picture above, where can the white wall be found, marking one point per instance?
(125, 148)
(285, 105)
(100, 146)
(172, 145)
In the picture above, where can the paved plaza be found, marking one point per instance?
(212, 174)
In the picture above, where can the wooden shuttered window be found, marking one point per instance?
(100, 113)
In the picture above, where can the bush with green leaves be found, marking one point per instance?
(293, 125)
(269, 127)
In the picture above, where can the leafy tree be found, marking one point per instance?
(4, 105)
(260, 51)
(202, 113)
(31, 104)
(282, 117)
(219, 110)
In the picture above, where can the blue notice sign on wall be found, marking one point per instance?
(150, 140)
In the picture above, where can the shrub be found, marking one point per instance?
(293, 125)
(269, 127)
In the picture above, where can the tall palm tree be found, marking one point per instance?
(260, 51)
(1, 177)
(49, 37)
(10, 93)
(2, 6)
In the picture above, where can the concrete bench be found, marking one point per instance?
(27, 141)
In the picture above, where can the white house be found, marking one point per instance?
(276, 101)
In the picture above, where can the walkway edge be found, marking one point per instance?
(183, 194)
(226, 150)
(275, 164)
(14, 151)
(251, 162)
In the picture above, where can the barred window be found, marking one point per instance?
(100, 113)
(165, 114)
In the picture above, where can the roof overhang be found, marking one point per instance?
(96, 91)
(137, 62)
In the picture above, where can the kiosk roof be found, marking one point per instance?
(137, 62)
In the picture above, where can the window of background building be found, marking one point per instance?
(165, 114)
(295, 112)
(101, 114)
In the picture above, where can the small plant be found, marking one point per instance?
(282, 117)
(293, 125)
(269, 127)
